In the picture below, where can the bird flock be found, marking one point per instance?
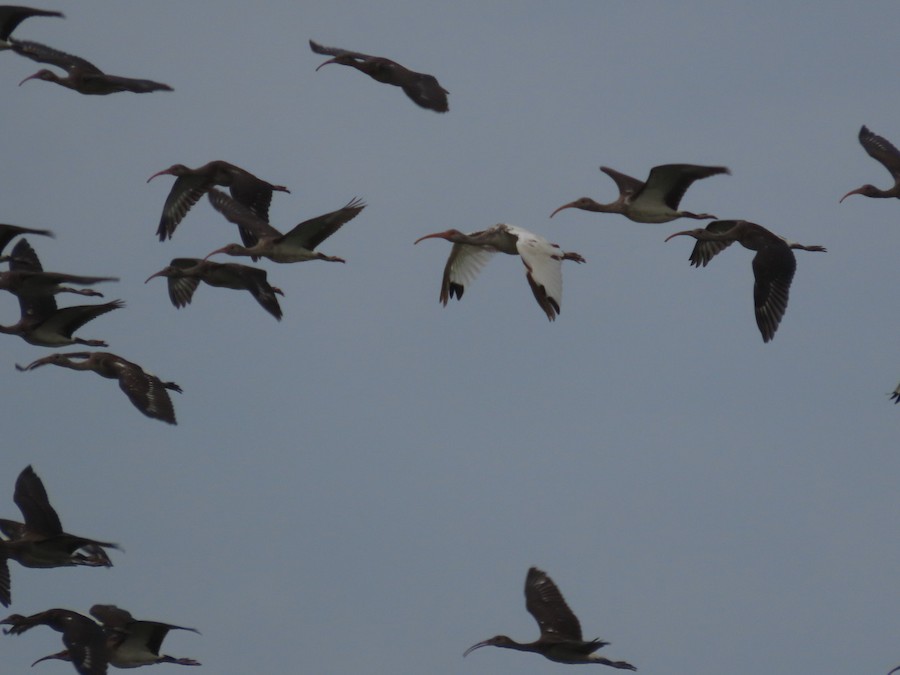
(113, 637)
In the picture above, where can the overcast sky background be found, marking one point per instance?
(362, 487)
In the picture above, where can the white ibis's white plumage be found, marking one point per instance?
(471, 252)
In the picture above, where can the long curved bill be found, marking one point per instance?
(476, 646)
(852, 192)
(564, 206)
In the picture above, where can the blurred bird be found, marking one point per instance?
(423, 89)
(40, 541)
(882, 150)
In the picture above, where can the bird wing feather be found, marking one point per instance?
(882, 150)
(773, 271)
(667, 183)
(32, 500)
(44, 54)
(543, 261)
(463, 266)
(310, 233)
(546, 604)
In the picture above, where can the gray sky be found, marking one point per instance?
(362, 486)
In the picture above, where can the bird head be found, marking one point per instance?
(43, 74)
(584, 203)
(496, 641)
(174, 170)
(866, 190)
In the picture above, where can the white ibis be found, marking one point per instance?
(12, 15)
(423, 89)
(85, 640)
(145, 391)
(882, 150)
(40, 541)
(81, 75)
(185, 274)
(471, 252)
(191, 184)
(130, 643)
(27, 279)
(773, 265)
(653, 201)
(560, 639)
(296, 245)
(9, 232)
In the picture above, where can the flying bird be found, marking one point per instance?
(263, 240)
(12, 15)
(560, 639)
(471, 252)
(145, 391)
(773, 265)
(130, 643)
(882, 150)
(27, 278)
(895, 396)
(10, 232)
(185, 274)
(85, 639)
(423, 89)
(81, 75)
(653, 201)
(40, 541)
(191, 184)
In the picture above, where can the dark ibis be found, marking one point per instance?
(773, 265)
(561, 640)
(423, 89)
(653, 201)
(471, 252)
(296, 245)
(85, 639)
(81, 75)
(40, 541)
(185, 274)
(883, 151)
(191, 184)
(9, 232)
(12, 15)
(145, 391)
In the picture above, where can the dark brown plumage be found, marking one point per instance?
(10, 232)
(130, 643)
(12, 15)
(296, 245)
(40, 541)
(423, 89)
(185, 274)
(773, 265)
(85, 639)
(883, 151)
(561, 639)
(81, 75)
(191, 184)
(653, 201)
(145, 391)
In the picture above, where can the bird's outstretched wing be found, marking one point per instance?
(546, 604)
(882, 150)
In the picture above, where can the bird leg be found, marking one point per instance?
(331, 258)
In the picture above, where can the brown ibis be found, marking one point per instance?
(145, 391)
(130, 643)
(185, 274)
(653, 201)
(191, 184)
(12, 15)
(85, 639)
(895, 396)
(296, 245)
(423, 89)
(40, 541)
(560, 639)
(27, 280)
(42, 323)
(883, 151)
(471, 252)
(81, 75)
(10, 232)
(773, 265)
